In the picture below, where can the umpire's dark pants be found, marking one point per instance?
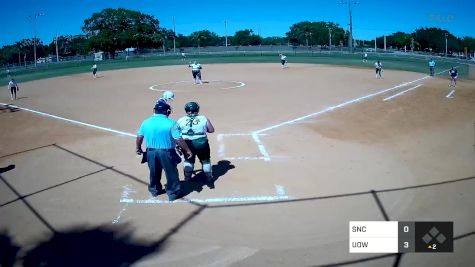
(159, 159)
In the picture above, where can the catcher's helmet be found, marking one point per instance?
(192, 107)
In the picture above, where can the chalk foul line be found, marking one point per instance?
(71, 121)
(402, 92)
(352, 101)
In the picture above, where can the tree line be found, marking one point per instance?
(113, 30)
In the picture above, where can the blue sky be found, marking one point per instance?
(268, 18)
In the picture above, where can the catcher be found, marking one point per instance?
(193, 128)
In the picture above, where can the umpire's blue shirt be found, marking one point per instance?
(159, 131)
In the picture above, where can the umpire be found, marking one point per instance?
(161, 133)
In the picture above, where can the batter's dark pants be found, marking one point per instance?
(13, 91)
(158, 160)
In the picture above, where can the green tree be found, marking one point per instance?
(468, 42)
(315, 33)
(274, 40)
(117, 29)
(246, 37)
(204, 38)
(433, 39)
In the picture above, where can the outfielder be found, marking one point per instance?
(94, 70)
(13, 87)
(379, 68)
(193, 129)
(283, 60)
(196, 72)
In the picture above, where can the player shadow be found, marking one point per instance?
(104, 246)
(5, 169)
(8, 250)
(21, 97)
(8, 107)
(198, 181)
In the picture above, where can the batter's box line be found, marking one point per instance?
(280, 194)
(255, 136)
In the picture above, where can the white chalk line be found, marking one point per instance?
(261, 147)
(222, 147)
(221, 144)
(125, 194)
(341, 105)
(450, 94)
(240, 84)
(245, 158)
(402, 92)
(71, 121)
(280, 195)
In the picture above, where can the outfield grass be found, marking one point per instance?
(389, 62)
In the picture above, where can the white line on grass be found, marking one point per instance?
(71, 121)
(402, 92)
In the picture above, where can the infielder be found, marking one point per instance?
(379, 68)
(283, 60)
(453, 73)
(365, 57)
(13, 87)
(183, 56)
(193, 129)
(167, 97)
(94, 70)
(196, 72)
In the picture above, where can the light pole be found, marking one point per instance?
(174, 36)
(34, 40)
(446, 44)
(226, 31)
(350, 36)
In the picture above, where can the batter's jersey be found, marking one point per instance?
(12, 84)
(193, 127)
(195, 67)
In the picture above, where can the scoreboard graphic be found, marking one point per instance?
(398, 237)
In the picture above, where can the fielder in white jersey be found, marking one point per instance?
(94, 70)
(194, 128)
(379, 69)
(196, 72)
(13, 87)
(283, 60)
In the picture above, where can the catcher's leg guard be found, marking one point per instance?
(207, 170)
(188, 170)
